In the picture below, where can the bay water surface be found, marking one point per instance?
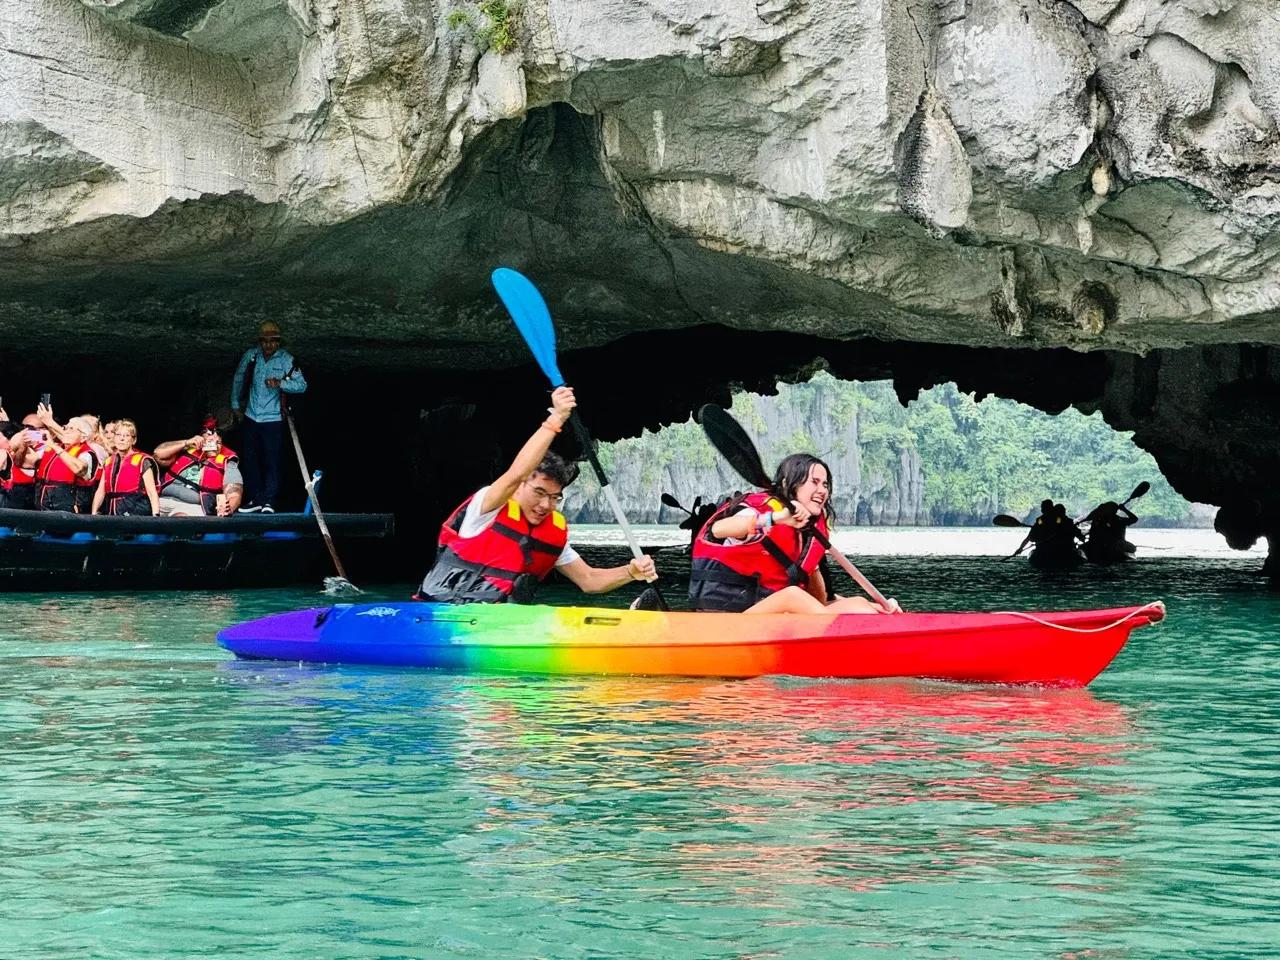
(161, 800)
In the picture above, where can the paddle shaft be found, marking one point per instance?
(311, 492)
(847, 565)
(584, 438)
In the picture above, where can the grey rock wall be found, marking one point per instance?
(797, 420)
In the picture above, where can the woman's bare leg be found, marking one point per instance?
(852, 605)
(790, 600)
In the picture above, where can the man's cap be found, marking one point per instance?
(210, 422)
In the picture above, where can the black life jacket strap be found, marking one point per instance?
(795, 573)
(527, 542)
(722, 574)
(448, 558)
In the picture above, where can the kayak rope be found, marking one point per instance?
(1153, 605)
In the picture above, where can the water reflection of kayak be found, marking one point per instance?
(1059, 649)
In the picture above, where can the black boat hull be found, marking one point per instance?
(42, 551)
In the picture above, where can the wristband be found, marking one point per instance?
(546, 424)
(766, 522)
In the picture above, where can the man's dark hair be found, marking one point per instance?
(8, 429)
(557, 468)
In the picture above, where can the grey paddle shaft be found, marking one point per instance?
(622, 521)
(311, 492)
(858, 578)
(585, 439)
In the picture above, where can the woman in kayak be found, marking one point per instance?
(758, 555)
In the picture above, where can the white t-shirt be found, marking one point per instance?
(747, 511)
(475, 523)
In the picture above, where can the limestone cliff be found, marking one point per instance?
(816, 417)
(1098, 175)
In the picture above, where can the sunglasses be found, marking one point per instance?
(268, 339)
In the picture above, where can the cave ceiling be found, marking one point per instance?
(1064, 203)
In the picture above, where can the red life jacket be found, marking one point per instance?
(212, 475)
(122, 479)
(734, 577)
(483, 568)
(57, 488)
(20, 487)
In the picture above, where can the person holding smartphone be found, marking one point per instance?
(201, 475)
(26, 447)
(7, 430)
(66, 475)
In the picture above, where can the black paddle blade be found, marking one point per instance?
(1004, 520)
(1141, 490)
(649, 599)
(697, 502)
(728, 437)
(671, 501)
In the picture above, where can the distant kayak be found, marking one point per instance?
(1054, 649)
(1108, 551)
(1055, 558)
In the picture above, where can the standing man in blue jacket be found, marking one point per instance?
(265, 372)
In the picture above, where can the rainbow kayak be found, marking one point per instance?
(1054, 649)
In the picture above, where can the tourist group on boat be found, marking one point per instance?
(86, 466)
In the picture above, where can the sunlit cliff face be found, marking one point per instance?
(1068, 203)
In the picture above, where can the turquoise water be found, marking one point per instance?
(161, 800)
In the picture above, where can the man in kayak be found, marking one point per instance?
(756, 554)
(1056, 545)
(1039, 529)
(507, 537)
(1108, 525)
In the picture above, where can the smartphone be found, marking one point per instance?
(46, 399)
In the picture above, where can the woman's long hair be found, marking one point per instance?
(792, 472)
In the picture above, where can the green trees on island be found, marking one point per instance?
(964, 460)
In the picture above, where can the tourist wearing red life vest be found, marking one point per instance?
(201, 476)
(25, 450)
(8, 430)
(128, 484)
(66, 475)
(756, 554)
(506, 537)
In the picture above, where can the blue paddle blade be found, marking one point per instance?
(532, 319)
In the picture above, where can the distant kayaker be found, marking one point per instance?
(507, 537)
(128, 484)
(201, 476)
(1108, 526)
(1040, 528)
(756, 554)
